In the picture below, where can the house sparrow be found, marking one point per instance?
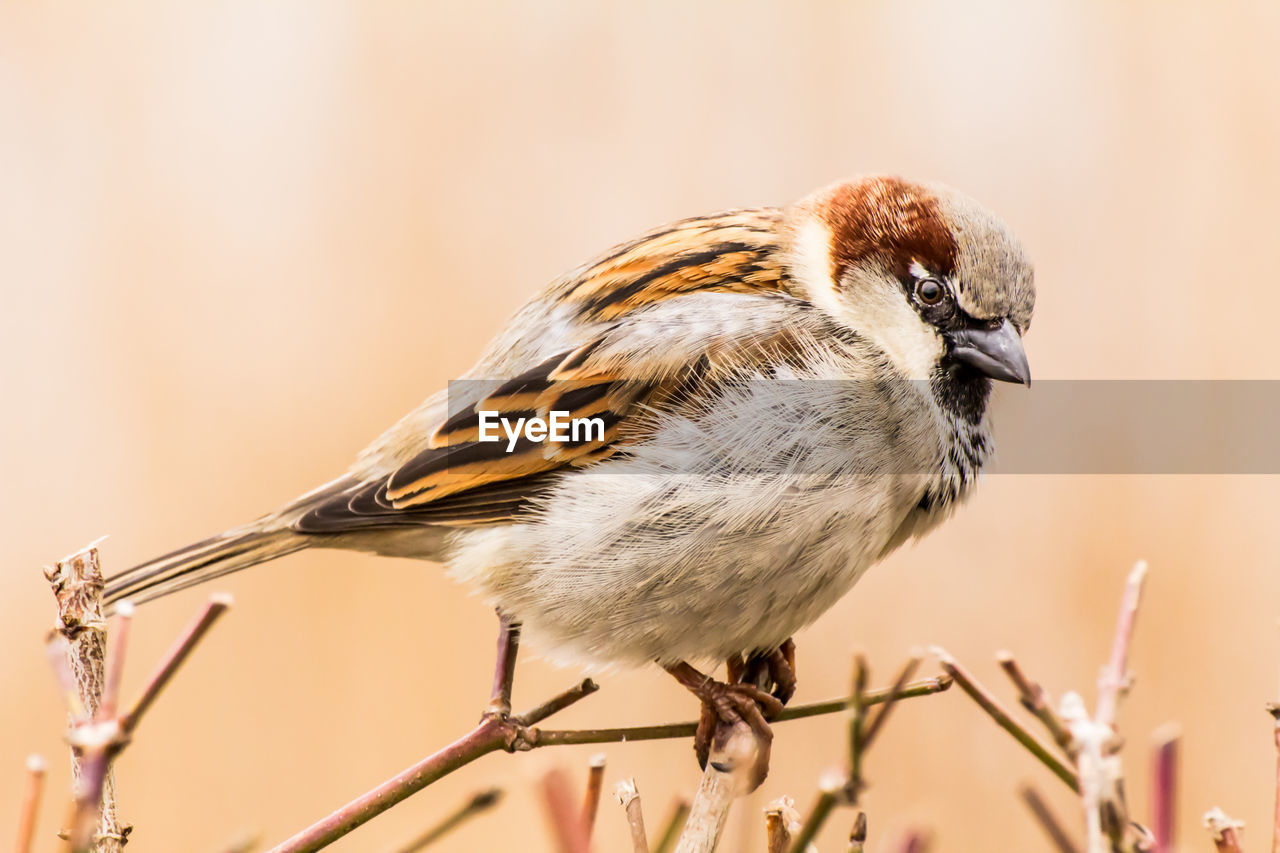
(782, 395)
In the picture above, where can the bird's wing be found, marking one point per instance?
(678, 307)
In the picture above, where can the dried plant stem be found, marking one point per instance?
(479, 802)
(858, 834)
(827, 797)
(77, 583)
(780, 820)
(565, 820)
(30, 810)
(734, 749)
(181, 649)
(1044, 816)
(997, 712)
(493, 734)
(1035, 699)
(876, 724)
(1164, 789)
(629, 796)
(857, 721)
(1274, 710)
(1115, 677)
(671, 829)
(498, 731)
(924, 687)
(1224, 830)
(595, 784)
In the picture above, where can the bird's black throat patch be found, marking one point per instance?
(961, 391)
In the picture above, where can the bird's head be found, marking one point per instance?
(926, 274)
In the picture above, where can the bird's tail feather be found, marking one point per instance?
(214, 557)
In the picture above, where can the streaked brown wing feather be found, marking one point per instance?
(457, 480)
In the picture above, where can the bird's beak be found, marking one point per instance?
(994, 352)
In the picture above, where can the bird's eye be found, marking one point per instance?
(929, 291)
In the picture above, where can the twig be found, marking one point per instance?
(915, 841)
(876, 723)
(549, 737)
(519, 733)
(629, 797)
(1035, 699)
(1115, 679)
(780, 820)
(217, 604)
(479, 802)
(1164, 789)
(830, 788)
(504, 670)
(1225, 831)
(595, 783)
(1274, 710)
(858, 834)
(1002, 717)
(671, 830)
(1048, 822)
(492, 734)
(30, 803)
(857, 714)
(570, 834)
(77, 586)
(731, 756)
(1088, 739)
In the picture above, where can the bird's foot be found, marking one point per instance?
(724, 706)
(781, 663)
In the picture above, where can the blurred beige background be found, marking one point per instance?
(239, 239)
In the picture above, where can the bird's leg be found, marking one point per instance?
(726, 705)
(782, 670)
(504, 670)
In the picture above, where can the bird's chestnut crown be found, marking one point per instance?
(931, 276)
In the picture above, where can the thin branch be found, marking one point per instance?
(1035, 699)
(518, 733)
(570, 834)
(1274, 710)
(549, 737)
(915, 841)
(77, 584)
(781, 820)
(491, 735)
(734, 750)
(671, 829)
(858, 834)
(1224, 830)
(181, 649)
(629, 797)
(1115, 679)
(829, 791)
(595, 784)
(1164, 789)
(997, 712)
(115, 660)
(478, 803)
(30, 810)
(1044, 816)
(857, 719)
(504, 670)
(876, 723)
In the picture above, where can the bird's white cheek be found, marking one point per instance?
(878, 309)
(868, 302)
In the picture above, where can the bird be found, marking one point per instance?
(773, 399)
